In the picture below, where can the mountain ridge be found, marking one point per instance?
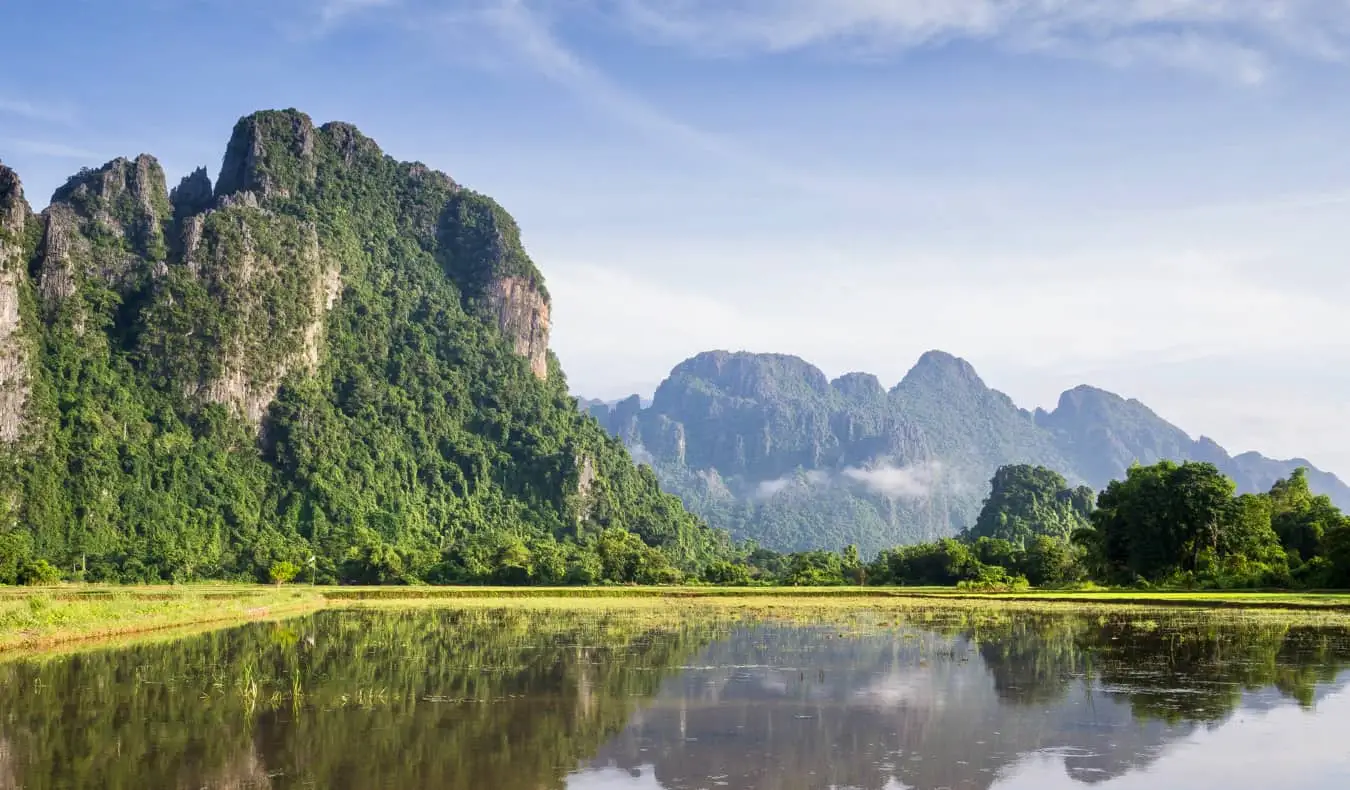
(739, 434)
(328, 353)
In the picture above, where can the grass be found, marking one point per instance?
(38, 619)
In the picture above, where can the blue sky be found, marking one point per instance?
(1145, 195)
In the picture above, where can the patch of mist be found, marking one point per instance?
(641, 455)
(914, 481)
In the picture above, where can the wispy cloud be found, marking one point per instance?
(1231, 39)
(915, 481)
(50, 149)
(518, 26)
(331, 12)
(57, 112)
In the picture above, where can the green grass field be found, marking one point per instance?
(33, 619)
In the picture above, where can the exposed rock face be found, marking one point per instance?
(105, 227)
(481, 250)
(522, 316)
(14, 354)
(270, 154)
(228, 259)
(192, 196)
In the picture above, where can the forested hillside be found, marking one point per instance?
(327, 354)
(764, 445)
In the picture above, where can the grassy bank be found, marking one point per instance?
(40, 618)
(1328, 601)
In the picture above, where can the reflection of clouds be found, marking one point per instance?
(917, 709)
(775, 683)
(911, 689)
(1282, 747)
(640, 778)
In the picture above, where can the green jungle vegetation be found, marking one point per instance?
(331, 367)
(331, 360)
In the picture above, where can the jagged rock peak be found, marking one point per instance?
(14, 209)
(104, 224)
(193, 195)
(940, 366)
(422, 174)
(350, 144)
(269, 153)
(750, 375)
(858, 386)
(118, 194)
(1088, 400)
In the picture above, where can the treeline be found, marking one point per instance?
(1169, 525)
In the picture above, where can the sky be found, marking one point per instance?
(1149, 196)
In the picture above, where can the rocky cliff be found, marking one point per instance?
(327, 351)
(482, 251)
(16, 218)
(765, 446)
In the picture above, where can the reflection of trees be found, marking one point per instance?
(511, 700)
(1197, 669)
(413, 699)
(1033, 658)
(951, 700)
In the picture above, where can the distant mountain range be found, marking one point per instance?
(766, 446)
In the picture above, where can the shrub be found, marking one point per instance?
(282, 572)
(38, 572)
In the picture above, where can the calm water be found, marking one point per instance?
(507, 700)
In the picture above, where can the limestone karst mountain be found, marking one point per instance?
(328, 351)
(766, 446)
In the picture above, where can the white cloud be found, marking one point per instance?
(331, 12)
(58, 112)
(51, 149)
(898, 482)
(1209, 36)
(1185, 332)
(516, 26)
(641, 455)
(1236, 753)
(768, 489)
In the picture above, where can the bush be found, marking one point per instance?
(727, 573)
(38, 572)
(282, 572)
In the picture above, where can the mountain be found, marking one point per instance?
(326, 352)
(765, 446)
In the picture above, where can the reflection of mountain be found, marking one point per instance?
(504, 700)
(517, 700)
(791, 708)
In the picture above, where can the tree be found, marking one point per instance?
(282, 572)
(1027, 501)
(727, 573)
(851, 566)
(1167, 519)
(1050, 561)
(38, 573)
(1299, 518)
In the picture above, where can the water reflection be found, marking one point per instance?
(977, 703)
(505, 700)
